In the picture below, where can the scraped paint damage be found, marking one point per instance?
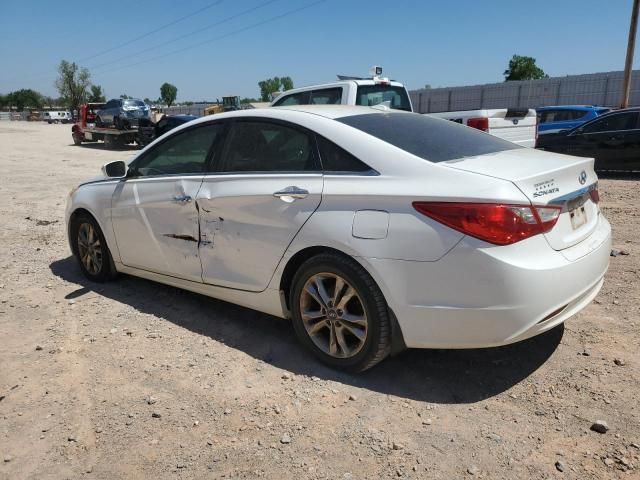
(188, 238)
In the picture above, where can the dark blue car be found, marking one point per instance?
(566, 117)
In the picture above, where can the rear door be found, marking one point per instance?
(266, 184)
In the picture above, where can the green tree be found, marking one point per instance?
(286, 83)
(72, 84)
(97, 95)
(168, 93)
(25, 98)
(148, 101)
(124, 96)
(523, 68)
(271, 85)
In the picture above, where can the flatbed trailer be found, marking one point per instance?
(86, 131)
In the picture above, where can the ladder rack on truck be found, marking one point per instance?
(86, 131)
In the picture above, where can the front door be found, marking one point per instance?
(154, 212)
(266, 184)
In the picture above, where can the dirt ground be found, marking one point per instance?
(133, 379)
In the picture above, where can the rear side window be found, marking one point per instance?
(301, 98)
(432, 139)
(326, 96)
(337, 160)
(260, 146)
(612, 123)
(393, 97)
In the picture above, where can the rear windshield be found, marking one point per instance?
(134, 103)
(432, 139)
(393, 97)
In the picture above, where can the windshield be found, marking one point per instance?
(134, 103)
(394, 97)
(432, 139)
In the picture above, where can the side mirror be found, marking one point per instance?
(117, 169)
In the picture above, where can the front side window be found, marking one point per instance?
(393, 97)
(612, 123)
(327, 96)
(183, 153)
(260, 146)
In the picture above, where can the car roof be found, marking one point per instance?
(334, 111)
(337, 83)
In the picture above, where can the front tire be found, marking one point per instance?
(90, 249)
(339, 313)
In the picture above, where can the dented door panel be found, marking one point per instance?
(245, 229)
(155, 222)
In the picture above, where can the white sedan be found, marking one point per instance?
(373, 230)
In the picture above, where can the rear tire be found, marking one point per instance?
(117, 123)
(339, 313)
(99, 123)
(76, 139)
(90, 249)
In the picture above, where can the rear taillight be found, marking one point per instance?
(481, 123)
(595, 196)
(494, 223)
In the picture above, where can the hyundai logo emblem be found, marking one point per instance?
(583, 177)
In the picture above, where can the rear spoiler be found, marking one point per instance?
(516, 112)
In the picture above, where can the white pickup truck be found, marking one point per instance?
(368, 92)
(518, 125)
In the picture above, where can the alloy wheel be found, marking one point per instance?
(333, 315)
(89, 248)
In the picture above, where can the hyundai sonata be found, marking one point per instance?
(372, 230)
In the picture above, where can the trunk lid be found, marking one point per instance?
(546, 179)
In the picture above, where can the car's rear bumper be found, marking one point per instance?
(482, 296)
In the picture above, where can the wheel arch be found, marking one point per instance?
(295, 261)
(83, 209)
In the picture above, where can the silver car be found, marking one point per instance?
(122, 113)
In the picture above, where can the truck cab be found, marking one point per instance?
(367, 92)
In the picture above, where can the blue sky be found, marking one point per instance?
(441, 43)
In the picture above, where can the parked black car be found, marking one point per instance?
(121, 113)
(169, 122)
(613, 139)
(149, 132)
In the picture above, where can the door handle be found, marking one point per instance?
(289, 194)
(182, 199)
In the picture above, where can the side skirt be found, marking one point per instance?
(267, 301)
